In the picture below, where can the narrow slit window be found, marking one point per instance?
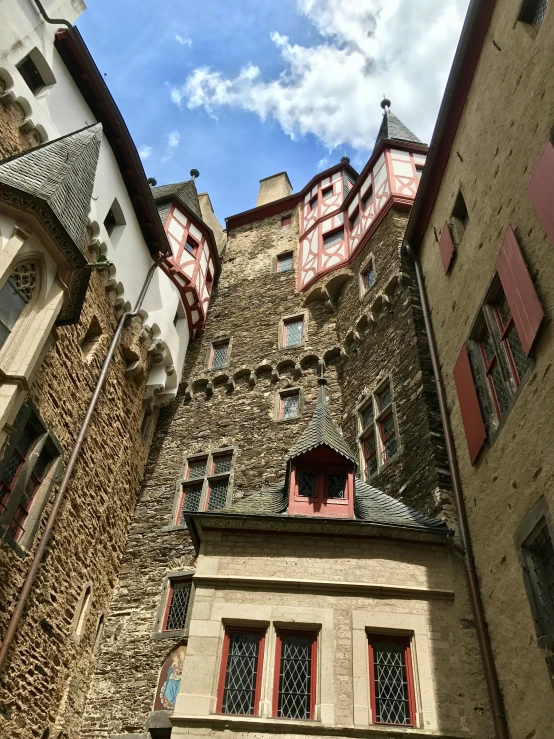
(459, 221)
(91, 338)
(333, 238)
(540, 558)
(289, 405)
(177, 605)
(241, 672)
(83, 611)
(284, 262)
(219, 354)
(295, 662)
(391, 681)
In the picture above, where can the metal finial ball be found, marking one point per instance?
(345, 160)
(385, 103)
(152, 181)
(194, 173)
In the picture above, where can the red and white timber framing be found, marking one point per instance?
(192, 266)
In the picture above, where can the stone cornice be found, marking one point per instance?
(345, 587)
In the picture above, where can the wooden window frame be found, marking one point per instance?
(224, 663)
(282, 394)
(203, 482)
(193, 243)
(367, 198)
(327, 192)
(321, 485)
(393, 639)
(162, 611)
(354, 218)
(312, 203)
(314, 635)
(330, 234)
(286, 220)
(286, 321)
(169, 590)
(376, 429)
(218, 342)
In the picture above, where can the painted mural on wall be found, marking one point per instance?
(170, 680)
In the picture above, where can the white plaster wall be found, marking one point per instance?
(60, 110)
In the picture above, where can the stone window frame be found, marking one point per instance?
(23, 326)
(458, 225)
(82, 611)
(527, 14)
(286, 217)
(485, 316)
(119, 222)
(535, 521)
(45, 438)
(288, 319)
(209, 353)
(378, 417)
(172, 577)
(44, 71)
(282, 631)
(275, 262)
(277, 404)
(369, 260)
(176, 513)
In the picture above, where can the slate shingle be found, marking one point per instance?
(393, 128)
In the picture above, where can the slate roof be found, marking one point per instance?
(61, 173)
(186, 191)
(322, 431)
(393, 128)
(370, 505)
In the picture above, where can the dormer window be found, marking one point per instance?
(322, 490)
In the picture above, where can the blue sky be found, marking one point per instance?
(245, 89)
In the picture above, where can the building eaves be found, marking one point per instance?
(465, 63)
(76, 57)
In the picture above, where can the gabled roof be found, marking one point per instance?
(370, 505)
(60, 173)
(186, 191)
(322, 431)
(392, 129)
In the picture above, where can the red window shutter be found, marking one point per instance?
(519, 289)
(541, 189)
(446, 247)
(469, 405)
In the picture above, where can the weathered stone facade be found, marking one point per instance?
(504, 126)
(235, 406)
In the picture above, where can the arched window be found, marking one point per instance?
(14, 296)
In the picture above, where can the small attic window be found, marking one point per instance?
(114, 220)
(191, 245)
(35, 71)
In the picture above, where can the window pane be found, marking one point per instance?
(11, 306)
(367, 416)
(295, 677)
(197, 468)
(219, 355)
(293, 332)
(503, 308)
(222, 464)
(284, 262)
(217, 494)
(540, 12)
(239, 692)
(191, 502)
(541, 554)
(521, 360)
(499, 387)
(370, 455)
(336, 485)
(290, 405)
(369, 278)
(306, 484)
(391, 683)
(333, 238)
(383, 398)
(177, 614)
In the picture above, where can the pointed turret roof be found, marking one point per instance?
(322, 431)
(392, 127)
(60, 173)
(185, 191)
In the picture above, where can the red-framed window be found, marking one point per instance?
(294, 687)
(370, 454)
(354, 219)
(219, 354)
(286, 221)
(333, 238)
(493, 372)
(206, 483)
(378, 434)
(323, 485)
(176, 608)
(217, 494)
(289, 404)
(387, 430)
(284, 262)
(519, 362)
(293, 331)
(240, 678)
(391, 682)
(191, 496)
(327, 192)
(367, 198)
(191, 245)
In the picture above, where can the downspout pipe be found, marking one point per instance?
(53, 21)
(491, 677)
(60, 495)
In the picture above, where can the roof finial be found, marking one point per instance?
(194, 173)
(385, 103)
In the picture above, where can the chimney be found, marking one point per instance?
(274, 188)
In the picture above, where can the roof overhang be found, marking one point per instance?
(198, 523)
(465, 63)
(80, 64)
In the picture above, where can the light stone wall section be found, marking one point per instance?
(343, 587)
(506, 121)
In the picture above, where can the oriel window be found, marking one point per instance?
(391, 680)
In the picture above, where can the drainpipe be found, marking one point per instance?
(54, 21)
(60, 495)
(493, 686)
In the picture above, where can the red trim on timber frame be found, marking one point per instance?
(313, 668)
(224, 662)
(402, 640)
(323, 462)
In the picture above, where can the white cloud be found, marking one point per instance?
(145, 152)
(184, 41)
(368, 48)
(173, 139)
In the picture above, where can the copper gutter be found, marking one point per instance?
(60, 495)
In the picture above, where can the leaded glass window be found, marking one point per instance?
(294, 698)
(333, 238)
(217, 494)
(306, 484)
(219, 354)
(336, 483)
(178, 602)
(388, 435)
(533, 12)
(378, 436)
(367, 416)
(369, 278)
(390, 682)
(541, 570)
(384, 397)
(192, 495)
(241, 673)
(16, 292)
(196, 468)
(284, 262)
(293, 331)
(519, 362)
(222, 464)
(290, 405)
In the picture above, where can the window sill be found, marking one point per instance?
(292, 347)
(180, 634)
(288, 420)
